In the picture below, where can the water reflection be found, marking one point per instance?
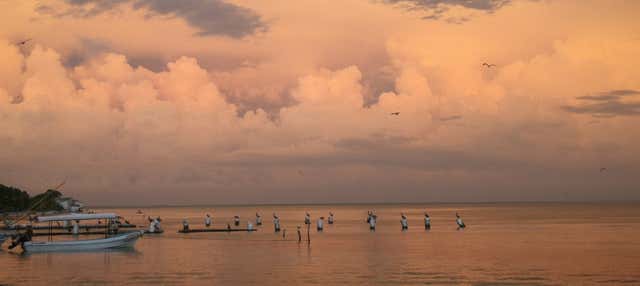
(536, 244)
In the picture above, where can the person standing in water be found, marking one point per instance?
(427, 221)
(459, 222)
(207, 220)
(258, 219)
(299, 235)
(320, 223)
(22, 237)
(403, 222)
(276, 223)
(249, 226)
(236, 220)
(330, 219)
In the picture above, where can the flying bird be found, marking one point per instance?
(395, 113)
(602, 169)
(488, 65)
(23, 42)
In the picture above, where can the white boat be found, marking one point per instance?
(123, 240)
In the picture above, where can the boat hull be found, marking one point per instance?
(119, 241)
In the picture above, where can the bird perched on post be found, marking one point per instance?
(459, 222)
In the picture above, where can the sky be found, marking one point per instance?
(135, 102)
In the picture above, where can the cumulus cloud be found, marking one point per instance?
(300, 101)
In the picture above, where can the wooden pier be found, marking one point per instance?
(215, 230)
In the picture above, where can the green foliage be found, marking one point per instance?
(45, 201)
(13, 200)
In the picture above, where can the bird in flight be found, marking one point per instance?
(23, 42)
(395, 113)
(488, 65)
(602, 169)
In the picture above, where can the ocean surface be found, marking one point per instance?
(504, 244)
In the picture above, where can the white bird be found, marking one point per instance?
(207, 220)
(427, 221)
(459, 222)
(403, 222)
(372, 222)
(307, 218)
(276, 222)
(258, 219)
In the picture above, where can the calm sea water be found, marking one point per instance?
(504, 244)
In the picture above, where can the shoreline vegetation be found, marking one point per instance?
(13, 200)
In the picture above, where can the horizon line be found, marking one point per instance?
(180, 205)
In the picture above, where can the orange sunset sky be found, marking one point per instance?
(250, 101)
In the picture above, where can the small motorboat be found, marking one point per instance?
(111, 239)
(119, 241)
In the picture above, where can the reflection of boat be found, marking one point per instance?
(127, 239)
(132, 251)
(69, 233)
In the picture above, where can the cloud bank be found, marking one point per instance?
(449, 10)
(608, 104)
(200, 129)
(210, 17)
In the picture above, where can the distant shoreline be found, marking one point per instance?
(371, 204)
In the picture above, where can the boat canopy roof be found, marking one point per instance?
(77, 217)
